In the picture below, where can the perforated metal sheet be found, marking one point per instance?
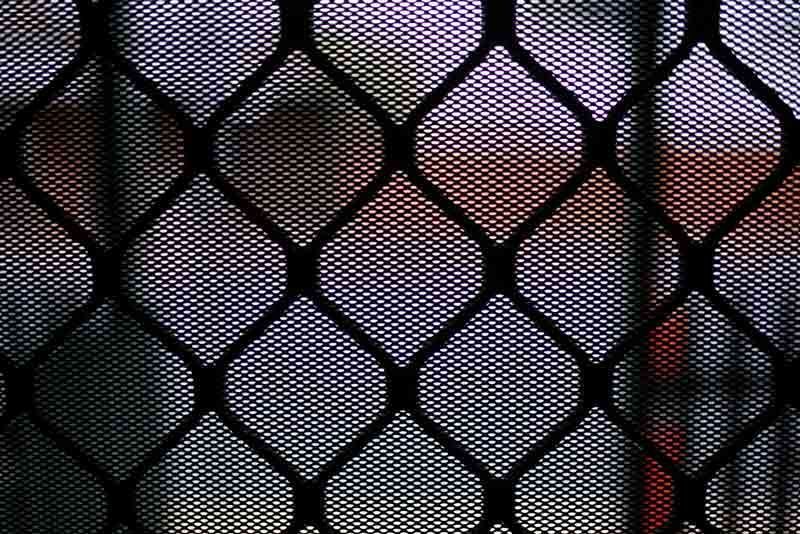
(399, 267)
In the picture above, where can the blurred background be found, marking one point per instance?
(499, 145)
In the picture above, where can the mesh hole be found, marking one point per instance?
(421, 487)
(284, 146)
(300, 364)
(492, 134)
(211, 482)
(400, 269)
(114, 390)
(487, 391)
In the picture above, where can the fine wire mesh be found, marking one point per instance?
(339, 266)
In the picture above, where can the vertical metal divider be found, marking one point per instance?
(111, 208)
(734, 484)
(642, 301)
(784, 432)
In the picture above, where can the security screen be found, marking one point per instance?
(399, 266)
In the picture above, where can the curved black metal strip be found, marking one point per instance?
(557, 199)
(548, 444)
(352, 329)
(754, 199)
(171, 441)
(783, 112)
(260, 447)
(252, 212)
(45, 95)
(159, 331)
(653, 321)
(549, 327)
(658, 75)
(449, 444)
(58, 336)
(149, 218)
(246, 89)
(107, 47)
(453, 325)
(778, 398)
(543, 76)
(747, 76)
(346, 83)
(745, 326)
(727, 453)
(451, 210)
(66, 446)
(453, 79)
(351, 210)
(42, 199)
(650, 449)
(399, 153)
(253, 332)
(354, 448)
(707, 528)
(650, 206)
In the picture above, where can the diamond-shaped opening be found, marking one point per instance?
(301, 363)
(104, 168)
(694, 384)
(114, 390)
(284, 146)
(499, 386)
(419, 487)
(401, 269)
(499, 144)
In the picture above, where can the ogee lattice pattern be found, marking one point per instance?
(399, 267)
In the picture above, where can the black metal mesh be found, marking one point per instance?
(350, 266)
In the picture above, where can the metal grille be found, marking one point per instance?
(398, 267)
